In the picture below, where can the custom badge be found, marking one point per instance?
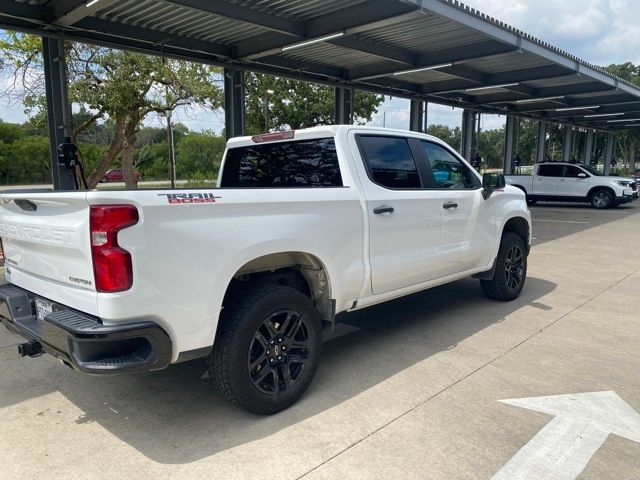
(182, 198)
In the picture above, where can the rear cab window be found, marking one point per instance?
(295, 164)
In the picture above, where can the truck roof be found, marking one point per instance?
(315, 132)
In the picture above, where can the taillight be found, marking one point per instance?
(112, 266)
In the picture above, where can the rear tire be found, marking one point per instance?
(510, 271)
(602, 199)
(267, 349)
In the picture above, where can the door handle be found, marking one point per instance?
(383, 209)
(449, 205)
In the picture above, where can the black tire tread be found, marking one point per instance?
(498, 290)
(224, 346)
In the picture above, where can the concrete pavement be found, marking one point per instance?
(407, 389)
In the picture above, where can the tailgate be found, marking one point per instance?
(46, 243)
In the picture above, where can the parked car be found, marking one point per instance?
(304, 225)
(116, 175)
(572, 182)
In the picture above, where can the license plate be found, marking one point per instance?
(43, 308)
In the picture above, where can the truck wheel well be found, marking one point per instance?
(521, 188)
(519, 226)
(299, 270)
(594, 189)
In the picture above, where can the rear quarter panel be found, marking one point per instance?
(185, 255)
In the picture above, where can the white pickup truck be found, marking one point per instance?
(303, 225)
(573, 182)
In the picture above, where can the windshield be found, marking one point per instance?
(592, 170)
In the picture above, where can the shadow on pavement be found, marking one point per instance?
(175, 417)
(556, 220)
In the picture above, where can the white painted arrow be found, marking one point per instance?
(562, 449)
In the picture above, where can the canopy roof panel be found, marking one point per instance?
(435, 50)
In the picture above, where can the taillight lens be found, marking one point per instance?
(112, 266)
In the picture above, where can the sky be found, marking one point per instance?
(598, 31)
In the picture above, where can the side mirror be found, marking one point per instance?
(582, 175)
(491, 182)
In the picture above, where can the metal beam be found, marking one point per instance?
(58, 110)
(234, 104)
(478, 51)
(343, 107)
(509, 141)
(147, 38)
(602, 100)
(400, 56)
(69, 12)
(478, 79)
(350, 21)
(566, 144)
(416, 116)
(14, 10)
(468, 129)
(462, 71)
(302, 66)
(587, 153)
(541, 147)
(611, 139)
(562, 90)
(245, 14)
(531, 74)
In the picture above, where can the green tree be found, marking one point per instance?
(296, 104)
(121, 86)
(449, 135)
(199, 153)
(10, 132)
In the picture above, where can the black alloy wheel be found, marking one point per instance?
(513, 267)
(279, 351)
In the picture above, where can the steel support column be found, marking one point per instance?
(468, 129)
(58, 110)
(416, 116)
(566, 144)
(608, 156)
(587, 153)
(541, 149)
(234, 105)
(343, 107)
(509, 141)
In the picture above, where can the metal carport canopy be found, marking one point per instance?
(439, 51)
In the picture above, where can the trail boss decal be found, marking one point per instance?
(181, 198)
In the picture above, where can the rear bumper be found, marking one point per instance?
(83, 341)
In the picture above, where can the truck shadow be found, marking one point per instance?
(175, 417)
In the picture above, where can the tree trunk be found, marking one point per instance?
(109, 156)
(130, 180)
(128, 149)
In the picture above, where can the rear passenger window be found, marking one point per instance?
(550, 170)
(389, 161)
(306, 163)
